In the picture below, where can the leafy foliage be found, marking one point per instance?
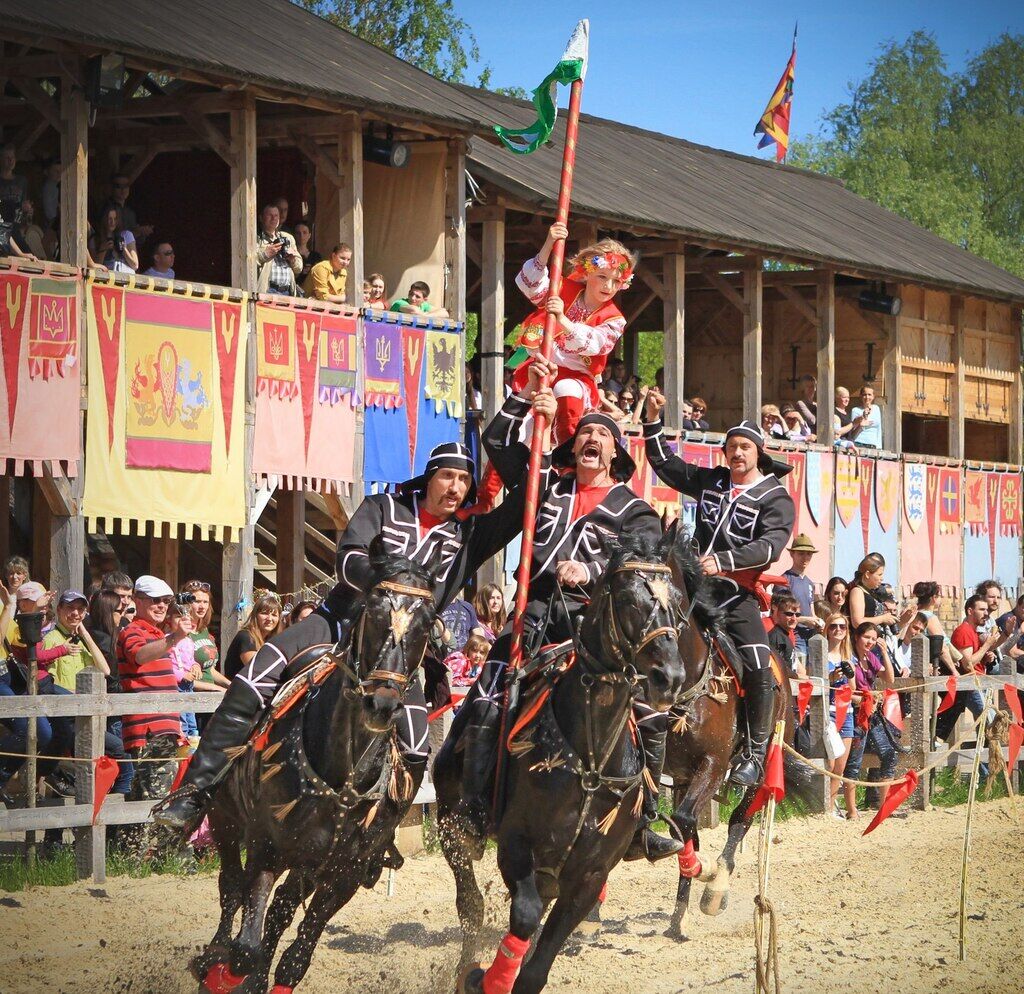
(943, 149)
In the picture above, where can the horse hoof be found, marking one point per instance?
(714, 902)
(674, 931)
(471, 980)
(220, 980)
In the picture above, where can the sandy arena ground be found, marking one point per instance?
(856, 915)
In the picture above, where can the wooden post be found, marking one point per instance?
(892, 382)
(240, 554)
(674, 309)
(291, 540)
(920, 725)
(350, 202)
(956, 383)
(753, 298)
(817, 711)
(826, 308)
(491, 344)
(74, 174)
(91, 842)
(455, 230)
(164, 550)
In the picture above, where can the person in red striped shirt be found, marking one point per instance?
(144, 666)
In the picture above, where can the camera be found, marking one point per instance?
(184, 599)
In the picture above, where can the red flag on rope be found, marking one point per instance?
(947, 701)
(774, 783)
(843, 696)
(804, 690)
(1017, 728)
(180, 775)
(898, 793)
(104, 774)
(867, 706)
(891, 708)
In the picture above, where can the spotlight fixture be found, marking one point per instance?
(882, 303)
(384, 151)
(104, 80)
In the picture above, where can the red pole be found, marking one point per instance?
(555, 264)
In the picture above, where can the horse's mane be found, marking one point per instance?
(386, 567)
(704, 591)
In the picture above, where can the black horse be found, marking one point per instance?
(320, 791)
(575, 770)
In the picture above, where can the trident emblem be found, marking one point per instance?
(13, 302)
(382, 352)
(227, 330)
(108, 307)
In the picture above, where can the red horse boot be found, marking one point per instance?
(568, 411)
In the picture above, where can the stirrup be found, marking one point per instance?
(183, 795)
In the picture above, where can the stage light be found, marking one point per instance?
(883, 303)
(384, 151)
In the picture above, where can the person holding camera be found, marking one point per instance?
(840, 673)
(278, 261)
(113, 244)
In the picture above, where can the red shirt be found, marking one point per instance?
(427, 521)
(587, 498)
(144, 678)
(965, 636)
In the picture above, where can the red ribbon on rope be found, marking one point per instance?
(843, 696)
(804, 690)
(947, 701)
(180, 775)
(105, 772)
(891, 708)
(774, 784)
(898, 793)
(1017, 728)
(867, 705)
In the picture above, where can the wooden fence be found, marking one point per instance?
(91, 706)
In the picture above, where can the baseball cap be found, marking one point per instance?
(31, 591)
(73, 596)
(152, 586)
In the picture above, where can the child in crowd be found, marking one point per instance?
(415, 302)
(465, 666)
(186, 671)
(588, 322)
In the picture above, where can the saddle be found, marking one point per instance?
(288, 695)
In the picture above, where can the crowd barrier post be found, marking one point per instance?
(817, 711)
(90, 840)
(919, 727)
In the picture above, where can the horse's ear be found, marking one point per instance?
(679, 554)
(377, 550)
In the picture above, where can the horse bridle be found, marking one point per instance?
(401, 618)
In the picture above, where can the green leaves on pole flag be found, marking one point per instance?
(572, 66)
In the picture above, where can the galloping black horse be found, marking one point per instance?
(575, 772)
(321, 791)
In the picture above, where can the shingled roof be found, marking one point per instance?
(641, 177)
(623, 174)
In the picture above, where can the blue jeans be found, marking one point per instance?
(877, 741)
(189, 728)
(113, 746)
(16, 740)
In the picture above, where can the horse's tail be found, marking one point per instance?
(800, 780)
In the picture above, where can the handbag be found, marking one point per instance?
(834, 747)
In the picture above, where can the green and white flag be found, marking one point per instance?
(571, 66)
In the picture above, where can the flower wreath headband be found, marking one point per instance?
(608, 263)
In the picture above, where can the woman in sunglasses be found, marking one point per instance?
(207, 653)
(840, 671)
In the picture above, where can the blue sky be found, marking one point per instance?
(704, 71)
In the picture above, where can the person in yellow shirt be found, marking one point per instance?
(327, 279)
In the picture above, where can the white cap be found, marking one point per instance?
(152, 586)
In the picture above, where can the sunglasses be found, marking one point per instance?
(837, 628)
(791, 614)
(699, 410)
(198, 585)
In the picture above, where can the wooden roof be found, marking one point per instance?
(635, 177)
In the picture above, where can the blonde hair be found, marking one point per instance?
(604, 246)
(845, 646)
(252, 623)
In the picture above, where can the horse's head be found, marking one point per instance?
(635, 616)
(391, 634)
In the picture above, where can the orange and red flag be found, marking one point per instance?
(774, 123)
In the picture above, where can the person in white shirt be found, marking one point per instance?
(163, 262)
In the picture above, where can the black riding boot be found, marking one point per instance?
(478, 760)
(647, 844)
(229, 727)
(759, 695)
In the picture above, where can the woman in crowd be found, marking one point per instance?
(489, 604)
(114, 244)
(873, 732)
(303, 609)
(378, 298)
(304, 243)
(862, 602)
(834, 599)
(926, 593)
(795, 426)
(207, 653)
(264, 622)
(840, 670)
(771, 422)
(16, 572)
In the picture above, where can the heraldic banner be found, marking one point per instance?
(166, 408)
(415, 382)
(306, 395)
(41, 383)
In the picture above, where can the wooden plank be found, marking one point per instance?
(317, 156)
(674, 311)
(211, 134)
(40, 100)
(455, 230)
(825, 322)
(656, 284)
(291, 540)
(74, 175)
(350, 200)
(892, 377)
(90, 840)
(164, 552)
(753, 302)
(113, 812)
(799, 301)
(725, 288)
(137, 164)
(636, 310)
(956, 382)
(106, 705)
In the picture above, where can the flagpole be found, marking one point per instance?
(556, 262)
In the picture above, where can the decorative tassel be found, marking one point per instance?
(269, 752)
(679, 726)
(520, 747)
(281, 811)
(651, 785)
(547, 765)
(271, 771)
(604, 826)
(235, 751)
(638, 804)
(370, 815)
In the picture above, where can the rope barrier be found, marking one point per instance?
(766, 978)
(962, 952)
(80, 759)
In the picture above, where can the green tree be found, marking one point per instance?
(427, 33)
(942, 149)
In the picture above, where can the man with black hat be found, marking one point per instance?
(745, 518)
(578, 510)
(420, 523)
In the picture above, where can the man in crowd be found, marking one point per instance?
(327, 279)
(577, 508)
(282, 210)
(744, 519)
(420, 522)
(163, 262)
(144, 667)
(867, 421)
(415, 302)
(121, 584)
(277, 257)
(802, 551)
(120, 189)
(1015, 650)
(782, 639)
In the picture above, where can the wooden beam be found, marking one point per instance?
(729, 263)
(473, 252)
(199, 103)
(957, 394)
(479, 213)
(243, 198)
(492, 315)
(825, 322)
(318, 157)
(651, 280)
(291, 540)
(892, 379)
(753, 298)
(42, 101)
(212, 135)
(57, 493)
(137, 164)
(24, 141)
(350, 200)
(31, 66)
(164, 554)
(674, 309)
(639, 307)
(455, 230)
(799, 301)
(725, 288)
